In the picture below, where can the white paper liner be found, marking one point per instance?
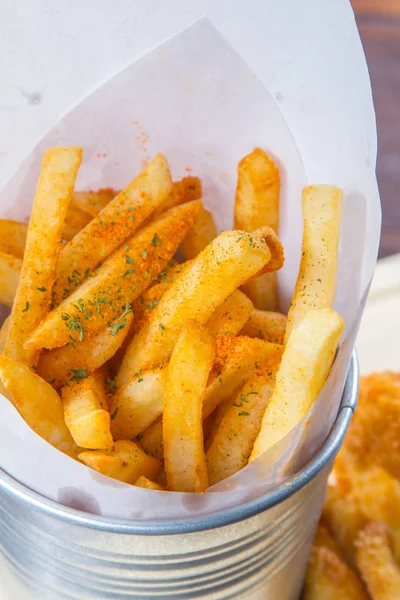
(196, 100)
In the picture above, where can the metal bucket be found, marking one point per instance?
(258, 550)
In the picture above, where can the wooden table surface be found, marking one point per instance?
(379, 25)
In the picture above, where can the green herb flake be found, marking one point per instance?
(112, 417)
(27, 307)
(156, 240)
(128, 260)
(243, 414)
(161, 326)
(77, 375)
(144, 252)
(41, 289)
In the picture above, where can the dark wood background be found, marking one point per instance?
(379, 25)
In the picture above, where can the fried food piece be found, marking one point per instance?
(230, 316)
(376, 562)
(202, 233)
(10, 273)
(266, 325)
(13, 237)
(92, 202)
(146, 483)
(256, 205)
(328, 575)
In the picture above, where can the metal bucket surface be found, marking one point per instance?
(255, 551)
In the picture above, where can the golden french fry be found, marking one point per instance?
(276, 248)
(89, 354)
(87, 421)
(119, 220)
(267, 325)
(10, 273)
(93, 202)
(238, 428)
(215, 273)
(126, 462)
(256, 205)
(185, 386)
(330, 578)
(230, 316)
(144, 482)
(119, 281)
(4, 333)
(151, 440)
(376, 562)
(75, 220)
(184, 190)
(38, 403)
(34, 294)
(316, 281)
(137, 404)
(236, 359)
(201, 234)
(13, 237)
(305, 365)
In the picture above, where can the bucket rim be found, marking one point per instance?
(39, 503)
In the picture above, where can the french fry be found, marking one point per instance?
(215, 273)
(137, 404)
(87, 421)
(4, 333)
(75, 220)
(185, 386)
(92, 202)
(267, 325)
(328, 575)
(230, 316)
(236, 359)
(305, 365)
(143, 482)
(316, 281)
(151, 440)
(13, 237)
(89, 354)
(10, 273)
(184, 190)
(377, 564)
(201, 234)
(38, 403)
(126, 462)
(34, 294)
(119, 220)
(120, 280)
(256, 205)
(275, 246)
(239, 426)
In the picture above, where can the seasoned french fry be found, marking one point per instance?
(305, 365)
(93, 202)
(137, 404)
(87, 421)
(236, 359)
(330, 578)
(13, 237)
(4, 333)
(184, 190)
(276, 248)
(119, 281)
(243, 356)
(201, 234)
(215, 273)
(230, 316)
(151, 440)
(143, 482)
(267, 325)
(125, 462)
(256, 205)
(10, 273)
(185, 386)
(239, 426)
(75, 220)
(377, 564)
(38, 403)
(89, 354)
(316, 281)
(119, 220)
(34, 294)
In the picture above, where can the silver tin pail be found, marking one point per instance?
(256, 551)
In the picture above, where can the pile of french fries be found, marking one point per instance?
(165, 374)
